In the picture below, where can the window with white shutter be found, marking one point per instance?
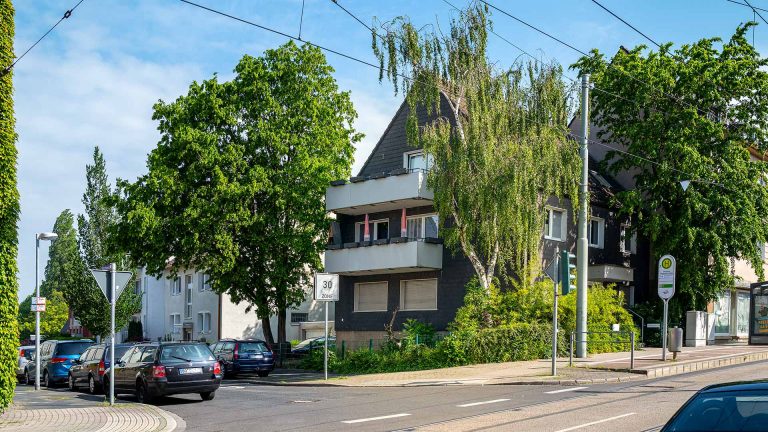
(371, 296)
(420, 294)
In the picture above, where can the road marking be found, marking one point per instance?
(376, 418)
(233, 387)
(481, 403)
(596, 422)
(570, 389)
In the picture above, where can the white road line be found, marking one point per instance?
(569, 389)
(481, 403)
(376, 418)
(595, 422)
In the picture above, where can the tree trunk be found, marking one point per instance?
(281, 325)
(266, 327)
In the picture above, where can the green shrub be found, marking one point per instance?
(417, 332)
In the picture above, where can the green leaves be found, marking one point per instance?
(702, 117)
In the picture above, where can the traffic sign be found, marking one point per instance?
(38, 300)
(326, 287)
(552, 270)
(666, 277)
(104, 279)
(38, 307)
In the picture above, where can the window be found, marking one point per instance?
(596, 232)
(371, 296)
(299, 317)
(628, 241)
(421, 226)
(418, 294)
(148, 355)
(379, 230)
(135, 355)
(204, 322)
(188, 296)
(204, 283)
(175, 322)
(415, 161)
(554, 226)
(176, 286)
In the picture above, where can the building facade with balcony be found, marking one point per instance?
(385, 242)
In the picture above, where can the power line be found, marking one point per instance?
(66, 15)
(746, 5)
(625, 22)
(755, 11)
(354, 17)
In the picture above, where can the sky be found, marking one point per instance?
(94, 79)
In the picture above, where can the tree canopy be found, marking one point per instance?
(236, 184)
(500, 153)
(698, 113)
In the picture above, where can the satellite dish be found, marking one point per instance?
(685, 184)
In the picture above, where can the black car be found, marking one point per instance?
(56, 357)
(165, 368)
(738, 406)
(89, 368)
(244, 356)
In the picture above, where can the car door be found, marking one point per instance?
(79, 368)
(92, 368)
(122, 368)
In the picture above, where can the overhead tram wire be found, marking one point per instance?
(66, 15)
(754, 8)
(349, 57)
(755, 11)
(627, 23)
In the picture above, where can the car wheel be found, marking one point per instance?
(71, 383)
(263, 374)
(142, 393)
(206, 396)
(91, 385)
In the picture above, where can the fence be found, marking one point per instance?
(631, 343)
(382, 344)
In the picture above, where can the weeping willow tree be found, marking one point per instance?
(500, 152)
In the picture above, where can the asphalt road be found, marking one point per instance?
(639, 406)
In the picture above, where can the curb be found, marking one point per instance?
(692, 366)
(173, 423)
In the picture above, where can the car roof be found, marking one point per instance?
(70, 340)
(240, 340)
(737, 386)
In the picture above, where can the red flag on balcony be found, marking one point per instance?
(366, 232)
(403, 225)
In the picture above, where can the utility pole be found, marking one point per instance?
(582, 245)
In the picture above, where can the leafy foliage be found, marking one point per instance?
(51, 321)
(702, 114)
(417, 332)
(499, 153)
(237, 181)
(9, 212)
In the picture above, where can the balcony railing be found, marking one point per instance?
(398, 255)
(377, 193)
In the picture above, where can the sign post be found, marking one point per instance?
(326, 290)
(666, 282)
(112, 283)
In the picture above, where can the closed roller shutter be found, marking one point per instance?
(418, 294)
(371, 296)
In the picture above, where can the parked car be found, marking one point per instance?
(737, 406)
(89, 368)
(151, 370)
(309, 345)
(249, 355)
(25, 355)
(56, 357)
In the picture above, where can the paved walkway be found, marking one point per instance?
(60, 410)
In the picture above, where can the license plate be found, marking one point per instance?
(190, 371)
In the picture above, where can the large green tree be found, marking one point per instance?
(9, 212)
(499, 153)
(695, 113)
(236, 184)
(51, 321)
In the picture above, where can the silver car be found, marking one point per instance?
(26, 354)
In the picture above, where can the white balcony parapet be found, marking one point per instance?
(377, 194)
(410, 256)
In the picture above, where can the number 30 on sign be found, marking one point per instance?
(326, 287)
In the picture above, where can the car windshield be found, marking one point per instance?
(72, 348)
(303, 343)
(723, 411)
(183, 353)
(253, 347)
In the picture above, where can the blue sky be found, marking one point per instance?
(94, 79)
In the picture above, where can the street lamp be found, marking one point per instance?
(50, 236)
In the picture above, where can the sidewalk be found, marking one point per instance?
(60, 410)
(596, 369)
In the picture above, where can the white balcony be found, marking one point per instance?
(610, 273)
(379, 194)
(411, 256)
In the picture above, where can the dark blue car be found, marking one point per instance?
(739, 406)
(238, 356)
(56, 357)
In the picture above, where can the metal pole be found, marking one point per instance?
(554, 316)
(112, 270)
(582, 245)
(632, 350)
(664, 334)
(570, 352)
(37, 317)
(325, 359)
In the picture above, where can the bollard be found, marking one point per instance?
(570, 352)
(343, 349)
(370, 345)
(417, 338)
(632, 351)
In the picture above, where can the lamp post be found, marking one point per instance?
(39, 236)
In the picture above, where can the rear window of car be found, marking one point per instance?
(119, 351)
(723, 411)
(72, 348)
(253, 347)
(184, 353)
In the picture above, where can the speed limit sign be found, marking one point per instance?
(326, 287)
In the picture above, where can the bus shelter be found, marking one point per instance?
(758, 314)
